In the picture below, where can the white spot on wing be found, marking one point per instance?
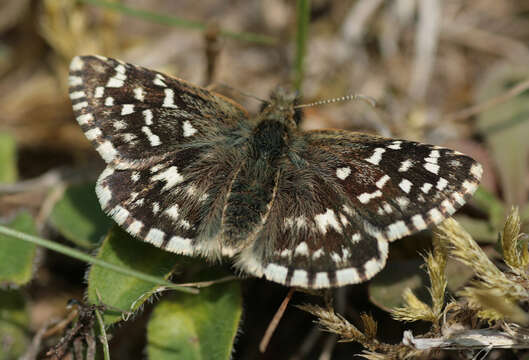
(114, 82)
(321, 280)
(159, 80)
(155, 208)
(426, 187)
(276, 273)
(469, 187)
(317, 254)
(403, 202)
(382, 181)
(127, 109)
(147, 114)
(75, 81)
(153, 139)
(395, 145)
(433, 168)
(93, 134)
(189, 130)
(356, 238)
(476, 170)
(448, 207)
(135, 227)
(418, 222)
(76, 64)
(441, 184)
(366, 197)
(458, 198)
(119, 214)
(405, 165)
(347, 276)
(138, 94)
(171, 176)
(103, 194)
(376, 157)
(435, 215)
(107, 151)
(109, 101)
(343, 173)
(302, 249)
(155, 236)
(77, 95)
(405, 185)
(79, 105)
(372, 267)
(299, 278)
(135, 176)
(119, 125)
(323, 221)
(397, 230)
(100, 91)
(85, 119)
(180, 245)
(168, 101)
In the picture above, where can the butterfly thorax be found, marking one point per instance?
(254, 185)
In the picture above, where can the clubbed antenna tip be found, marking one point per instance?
(367, 99)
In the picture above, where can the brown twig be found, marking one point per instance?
(275, 321)
(478, 108)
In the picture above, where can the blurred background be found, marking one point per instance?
(451, 73)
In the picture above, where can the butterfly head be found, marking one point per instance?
(280, 108)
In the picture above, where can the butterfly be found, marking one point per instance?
(189, 171)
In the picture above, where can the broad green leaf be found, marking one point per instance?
(79, 218)
(14, 325)
(386, 289)
(505, 128)
(121, 292)
(481, 230)
(16, 256)
(8, 159)
(196, 327)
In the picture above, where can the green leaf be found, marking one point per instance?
(386, 289)
(17, 257)
(121, 292)
(8, 159)
(79, 218)
(505, 128)
(14, 325)
(200, 326)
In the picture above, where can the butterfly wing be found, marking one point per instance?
(170, 148)
(136, 117)
(343, 196)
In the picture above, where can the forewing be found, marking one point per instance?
(343, 196)
(170, 148)
(136, 117)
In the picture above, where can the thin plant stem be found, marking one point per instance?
(79, 255)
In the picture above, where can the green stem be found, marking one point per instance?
(91, 260)
(303, 19)
(175, 21)
(104, 339)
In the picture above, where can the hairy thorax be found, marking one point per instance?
(253, 188)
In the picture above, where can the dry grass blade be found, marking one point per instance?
(515, 254)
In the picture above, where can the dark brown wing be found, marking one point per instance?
(343, 196)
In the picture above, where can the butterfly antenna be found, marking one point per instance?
(241, 92)
(367, 99)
